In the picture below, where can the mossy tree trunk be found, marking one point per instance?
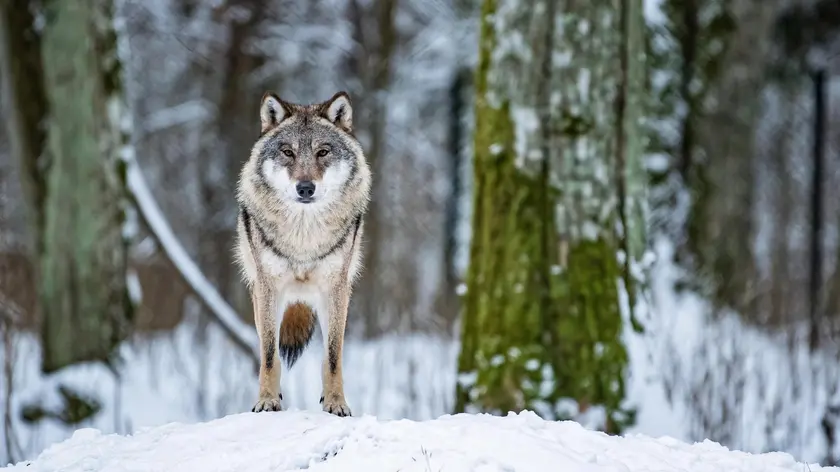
(84, 305)
(557, 171)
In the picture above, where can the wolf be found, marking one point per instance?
(302, 194)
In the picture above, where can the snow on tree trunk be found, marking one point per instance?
(597, 86)
(557, 135)
(85, 305)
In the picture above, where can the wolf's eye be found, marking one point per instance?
(322, 153)
(288, 153)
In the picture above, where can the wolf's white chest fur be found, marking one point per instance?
(305, 236)
(308, 283)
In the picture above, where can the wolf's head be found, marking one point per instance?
(307, 154)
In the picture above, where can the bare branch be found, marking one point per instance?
(243, 336)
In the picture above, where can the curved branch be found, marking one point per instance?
(243, 336)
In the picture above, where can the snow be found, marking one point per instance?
(295, 440)
(723, 379)
(526, 132)
(189, 375)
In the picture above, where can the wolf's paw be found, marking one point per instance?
(336, 406)
(268, 404)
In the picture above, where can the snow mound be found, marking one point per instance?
(296, 440)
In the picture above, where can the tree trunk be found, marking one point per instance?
(236, 130)
(724, 51)
(26, 105)
(447, 303)
(598, 171)
(374, 31)
(84, 301)
(542, 320)
(507, 279)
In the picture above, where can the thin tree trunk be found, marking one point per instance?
(631, 179)
(373, 65)
(720, 226)
(236, 130)
(447, 301)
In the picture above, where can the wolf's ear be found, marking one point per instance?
(273, 110)
(339, 111)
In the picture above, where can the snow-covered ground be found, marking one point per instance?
(188, 378)
(283, 441)
(178, 377)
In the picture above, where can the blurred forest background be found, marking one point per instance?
(621, 212)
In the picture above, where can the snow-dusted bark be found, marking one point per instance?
(557, 169)
(85, 304)
(597, 88)
(507, 291)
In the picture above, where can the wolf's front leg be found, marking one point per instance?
(333, 385)
(264, 298)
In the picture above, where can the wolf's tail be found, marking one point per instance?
(295, 332)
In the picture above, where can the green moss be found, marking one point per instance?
(574, 125)
(533, 335)
(112, 67)
(502, 308)
(591, 356)
(76, 408)
(502, 319)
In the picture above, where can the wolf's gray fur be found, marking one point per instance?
(302, 196)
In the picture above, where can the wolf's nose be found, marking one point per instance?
(305, 189)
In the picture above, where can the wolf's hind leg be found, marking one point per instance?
(264, 300)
